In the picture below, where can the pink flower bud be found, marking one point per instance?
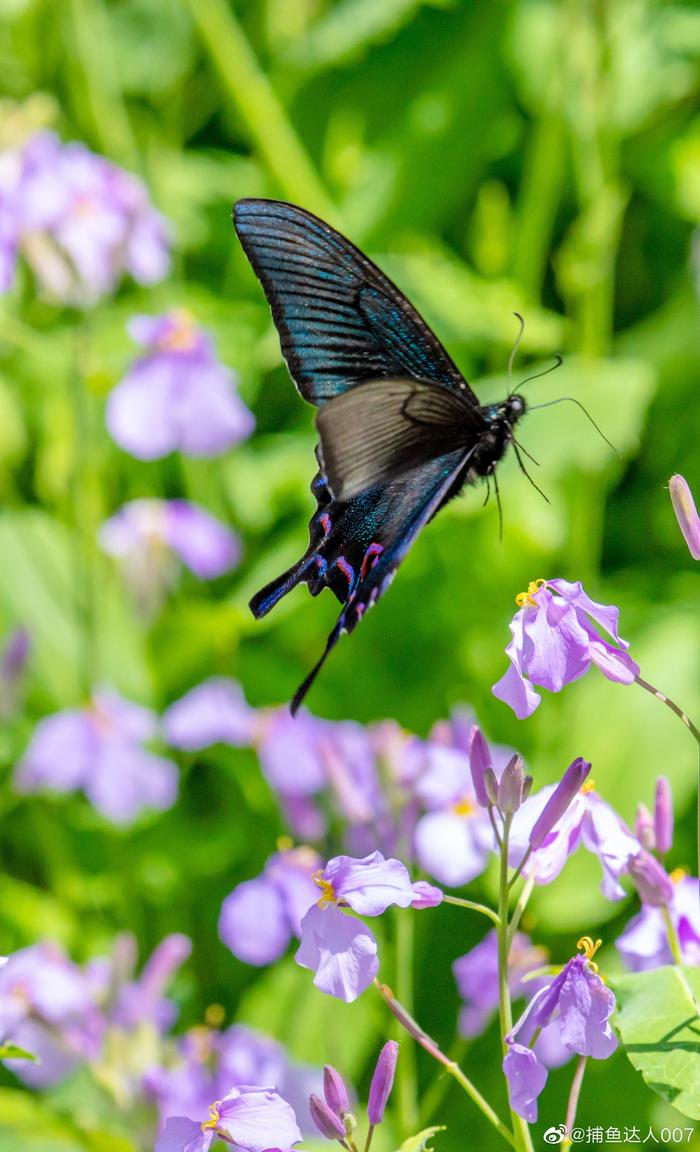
(686, 513)
(328, 1124)
(644, 828)
(663, 816)
(559, 801)
(335, 1091)
(479, 762)
(653, 883)
(510, 788)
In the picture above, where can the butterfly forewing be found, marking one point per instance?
(341, 321)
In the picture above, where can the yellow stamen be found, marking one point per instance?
(678, 874)
(284, 843)
(588, 786)
(214, 1117)
(526, 599)
(182, 337)
(463, 807)
(214, 1015)
(589, 947)
(327, 894)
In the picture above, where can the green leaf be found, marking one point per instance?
(12, 1052)
(658, 1019)
(419, 1142)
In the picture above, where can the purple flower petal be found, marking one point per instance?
(517, 693)
(526, 1078)
(182, 1135)
(255, 1119)
(370, 885)
(453, 848)
(340, 950)
(202, 543)
(214, 712)
(254, 922)
(585, 1007)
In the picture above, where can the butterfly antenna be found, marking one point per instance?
(573, 400)
(514, 349)
(488, 492)
(558, 361)
(525, 451)
(525, 472)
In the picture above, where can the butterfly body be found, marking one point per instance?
(401, 431)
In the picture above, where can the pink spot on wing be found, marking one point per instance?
(347, 570)
(325, 521)
(371, 557)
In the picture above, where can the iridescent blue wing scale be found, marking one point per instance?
(343, 324)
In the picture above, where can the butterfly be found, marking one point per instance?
(400, 430)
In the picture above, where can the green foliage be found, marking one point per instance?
(419, 1142)
(658, 1019)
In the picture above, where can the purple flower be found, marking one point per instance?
(587, 821)
(454, 838)
(145, 534)
(382, 1082)
(341, 951)
(581, 1004)
(252, 1119)
(686, 513)
(326, 1120)
(554, 643)
(663, 817)
(555, 807)
(260, 916)
(178, 396)
(141, 1000)
(644, 943)
(100, 749)
(476, 974)
(13, 663)
(335, 1091)
(215, 712)
(47, 1008)
(651, 879)
(80, 222)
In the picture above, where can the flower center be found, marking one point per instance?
(214, 1117)
(589, 948)
(677, 875)
(328, 896)
(588, 786)
(181, 336)
(527, 599)
(463, 807)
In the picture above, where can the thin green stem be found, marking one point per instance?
(438, 1090)
(473, 907)
(521, 1130)
(672, 936)
(520, 867)
(406, 1079)
(370, 1134)
(268, 125)
(575, 1092)
(432, 1048)
(520, 908)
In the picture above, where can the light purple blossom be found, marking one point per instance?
(251, 1119)
(644, 943)
(146, 535)
(178, 396)
(260, 916)
(13, 663)
(686, 513)
(341, 951)
(454, 838)
(80, 222)
(581, 1004)
(650, 878)
(587, 821)
(99, 749)
(476, 974)
(555, 641)
(142, 1000)
(215, 712)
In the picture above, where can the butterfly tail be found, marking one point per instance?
(264, 600)
(330, 645)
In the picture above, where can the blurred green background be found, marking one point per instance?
(534, 156)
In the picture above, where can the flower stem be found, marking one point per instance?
(407, 1085)
(520, 867)
(520, 907)
(521, 1130)
(672, 936)
(432, 1048)
(575, 1093)
(368, 1141)
(473, 907)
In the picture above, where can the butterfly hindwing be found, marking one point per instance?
(373, 434)
(340, 320)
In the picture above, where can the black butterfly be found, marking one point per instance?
(401, 431)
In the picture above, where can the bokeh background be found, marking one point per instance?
(534, 156)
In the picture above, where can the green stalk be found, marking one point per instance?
(521, 1129)
(406, 1078)
(472, 906)
(672, 936)
(268, 125)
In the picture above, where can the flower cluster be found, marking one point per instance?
(79, 221)
(331, 1113)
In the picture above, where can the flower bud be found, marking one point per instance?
(479, 762)
(686, 513)
(510, 788)
(653, 883)
(527, 787)
(328, 1124)
(644, 828)
(491, 782)
(663, 816)
(559, 801)
(335, 1092)
(382, 1082)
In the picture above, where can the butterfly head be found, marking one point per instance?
(512, 409)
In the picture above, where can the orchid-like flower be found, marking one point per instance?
(581, 1004)
(340, 950)
(554, 642)
(177, 396)
(251, 1119)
